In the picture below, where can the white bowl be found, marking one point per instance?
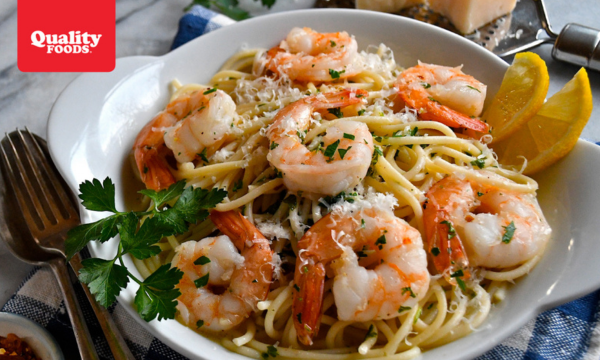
(95, 120)
(39, 339)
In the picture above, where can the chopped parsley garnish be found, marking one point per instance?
(203, 155)
(435, 251)
(479, 193)
(199, 323)
(330, 200)
(381, 241)
(291, 201)
(273, 145)
(479, 162)
(509, 231)
(451, 230)
(414, 131)
(343, 152)
(349, 136)
(335, 74)
(426, 85)
(330, 150)
(202, 260)
(432, 99)
(404, 308)
(361, 112)
(409, 290)
(371, 332)
(202, 282)
(362, 223)
(209, 91)
(362, 252)
(473, 88)
(255, 281)
(296, 287)
(238, 185)
(458, 275)
(332, 43)
(336, 112)
(278, 174)
(417, 315)
(156, 296)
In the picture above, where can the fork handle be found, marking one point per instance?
(87, 350)
(113, 336)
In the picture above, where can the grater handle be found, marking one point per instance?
(579, 45)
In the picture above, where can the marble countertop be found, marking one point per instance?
(147, 27)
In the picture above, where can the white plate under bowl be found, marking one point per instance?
(44, 346)
(95, 120)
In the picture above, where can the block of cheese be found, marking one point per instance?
(468, 15)
(387, 5)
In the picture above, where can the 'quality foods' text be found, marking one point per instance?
(74, 42)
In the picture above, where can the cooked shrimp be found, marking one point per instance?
(245, 276)
(188, 125)
(313, 171)
(307, 55)
(389, 270)
(443, 94)
(497, 228)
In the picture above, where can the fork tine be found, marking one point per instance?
(34, 184)
(52, 186)
(34, 223)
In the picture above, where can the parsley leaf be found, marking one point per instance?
(451, 230)
(164, 195)
(509, 231)
(101, 230)
(140, 244)
(479, 162)
(404, 308)
(335, 74)
(409, 290)
(104, 278)
(349, 136)
(98, 196)
(343, 152)
(238, 185)
(337, 112)
(202, 260)
(331, 148)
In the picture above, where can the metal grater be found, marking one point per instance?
(526, 27)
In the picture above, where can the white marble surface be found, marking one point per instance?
(147, 27)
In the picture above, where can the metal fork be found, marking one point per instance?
(50, 211)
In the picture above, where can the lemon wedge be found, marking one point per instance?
(551, 133)
(522, 93)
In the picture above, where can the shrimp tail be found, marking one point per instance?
(447, 250)
(307, 300)
(237, 227)
(153, 168)
(452, 118)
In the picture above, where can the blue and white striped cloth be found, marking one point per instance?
(570, 331)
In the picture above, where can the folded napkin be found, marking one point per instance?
(570, 331)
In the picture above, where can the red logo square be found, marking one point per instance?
(66, 35)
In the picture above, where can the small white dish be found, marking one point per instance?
(39, 339)
(95, 120)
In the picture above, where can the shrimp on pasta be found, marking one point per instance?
(320, 172)
(306, 55)
(378, 263)
(215, 263)
(188, 125)
(472, 223)
(443, 94)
